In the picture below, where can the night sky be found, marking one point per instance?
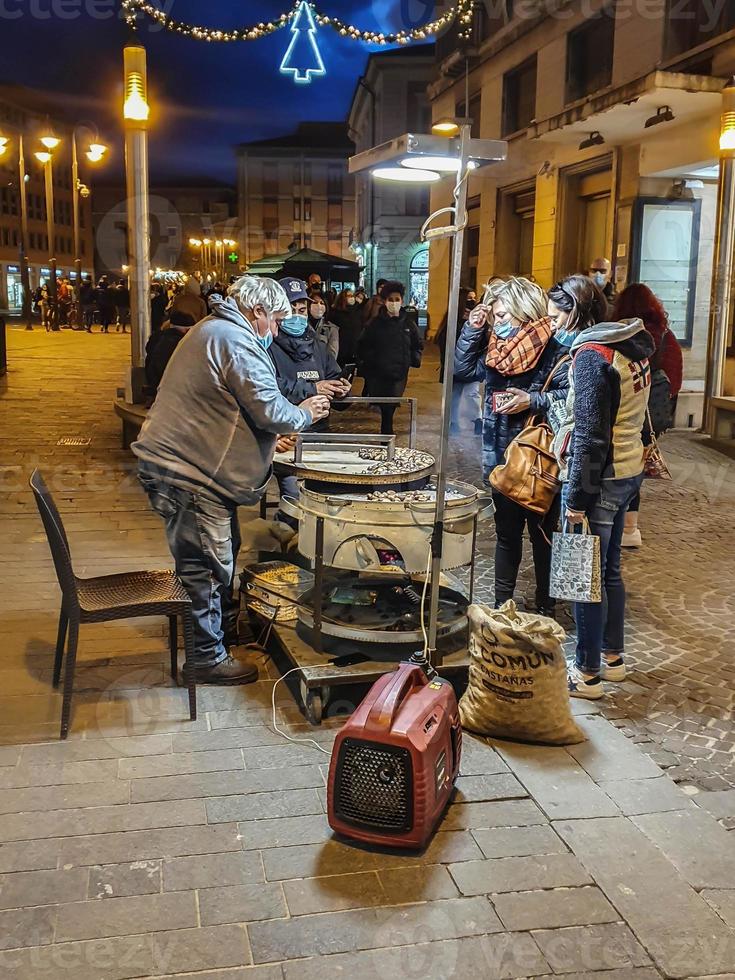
(205, 96)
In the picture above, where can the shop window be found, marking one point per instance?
(519, 97)
(690, 23)
(335, 182)
(665, 256)
(418, 279)
(590, 55)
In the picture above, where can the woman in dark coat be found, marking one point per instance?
(347, 314)
(514, 357)
(389, 347)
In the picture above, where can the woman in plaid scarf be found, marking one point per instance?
(508, 344)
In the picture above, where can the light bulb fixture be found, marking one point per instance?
(727, 120)
(445, 127)
(219, 243)
(43, 156)
(50, 141)
(594, 139)
(195, 242)
(406, 175)
(442, 164)
(135, 105)
(663, 114)
(95, 152)
(3, 144)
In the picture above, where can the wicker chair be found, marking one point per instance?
(108, 597)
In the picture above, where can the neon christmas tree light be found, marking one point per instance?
(303, 58)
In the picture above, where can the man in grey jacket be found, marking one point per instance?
(207, 446)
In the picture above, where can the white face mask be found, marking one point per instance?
(318, 312)
(393, 307)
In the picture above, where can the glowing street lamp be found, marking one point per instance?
(95, 153)
(136, 112)
(50, 141)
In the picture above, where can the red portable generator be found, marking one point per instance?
(394, 762)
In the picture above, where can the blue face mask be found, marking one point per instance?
(295, 325)
(266, 341)
(600, 278)
(503, 330)
(565, 337)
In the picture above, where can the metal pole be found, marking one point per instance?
(460, 220)
(722, 282)
(77, 236)
(50, 232)
(24, 271)
(136, 170)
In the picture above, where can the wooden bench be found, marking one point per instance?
(133, 417)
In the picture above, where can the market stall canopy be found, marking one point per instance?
(303, 262)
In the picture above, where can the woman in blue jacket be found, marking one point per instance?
(508, 343)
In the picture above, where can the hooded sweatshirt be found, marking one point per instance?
(213, 425)
(606, 408)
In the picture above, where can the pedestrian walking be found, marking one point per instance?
(389, 347)
(600, 450)
(87, 303)
(508, 343)
(105, 300)
(207, 447)
(122, 305)
(44, 305)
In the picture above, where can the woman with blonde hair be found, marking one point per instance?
(508, 343)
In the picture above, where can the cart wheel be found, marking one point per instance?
(313, 705)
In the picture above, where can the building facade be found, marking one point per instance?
(612, 116)
(22, 114)
(295, 192)
(391, 99)
(180, 212)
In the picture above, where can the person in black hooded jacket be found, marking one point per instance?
(389, 347)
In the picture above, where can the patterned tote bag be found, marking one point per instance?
(575, 566)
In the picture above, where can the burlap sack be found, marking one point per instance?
(517, 684)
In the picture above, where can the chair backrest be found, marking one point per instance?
(56, 536)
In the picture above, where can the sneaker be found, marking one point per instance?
(632, 538)
(227, 671)
(613, 670)
(581, 687)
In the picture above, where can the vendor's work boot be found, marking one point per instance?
(231, 670)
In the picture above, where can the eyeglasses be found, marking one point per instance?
(603, 271)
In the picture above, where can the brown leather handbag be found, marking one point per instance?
(530, 473)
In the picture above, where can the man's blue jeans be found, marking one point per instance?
(204, 538)
(601, 625)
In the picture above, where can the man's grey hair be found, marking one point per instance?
(251, 291)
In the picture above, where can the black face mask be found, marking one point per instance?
(470, 304)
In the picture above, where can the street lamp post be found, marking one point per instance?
(135, 114)
(722, 281)
(46, 158)
(423, 159)
(94, 154)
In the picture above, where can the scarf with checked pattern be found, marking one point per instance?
(520, 351)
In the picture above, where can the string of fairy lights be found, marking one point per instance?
(461, 11)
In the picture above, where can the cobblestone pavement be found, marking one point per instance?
(150, 846)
